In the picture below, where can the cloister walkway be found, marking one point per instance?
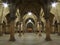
(30, 39)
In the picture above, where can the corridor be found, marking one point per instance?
(30, 39)
(29, 22)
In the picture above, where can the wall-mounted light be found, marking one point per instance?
(5, 5)
(29, 21)
(29, 13)
(54, 4)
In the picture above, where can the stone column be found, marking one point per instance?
(51, 17)
(20, 29)
(48, 31)
(39, 28)
(23, 27)
(46, 9)
(39, 25)
(20, 22)
(35, 27)
(11, 20)
(1, 19)
(12, 38)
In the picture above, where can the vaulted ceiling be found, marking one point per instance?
(29, 5)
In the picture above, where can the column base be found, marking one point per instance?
(12, 39)
(48, 39)
(40, 35)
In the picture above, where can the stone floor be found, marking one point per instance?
(30, 39)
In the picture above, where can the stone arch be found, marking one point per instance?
(30, 19)
(26, 16)
(30, 24)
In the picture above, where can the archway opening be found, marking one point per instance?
(29, 27)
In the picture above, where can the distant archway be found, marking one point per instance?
(29, 23)
(30, 27)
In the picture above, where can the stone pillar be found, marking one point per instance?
(23, 27)
(11, 20)
(1, 19)
(12, 38)
(48, 31)
(39, 28)
(20, 29)
(51, 17)
(46, 9)
(20, 23)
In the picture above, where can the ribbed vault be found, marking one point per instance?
(25, 6)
